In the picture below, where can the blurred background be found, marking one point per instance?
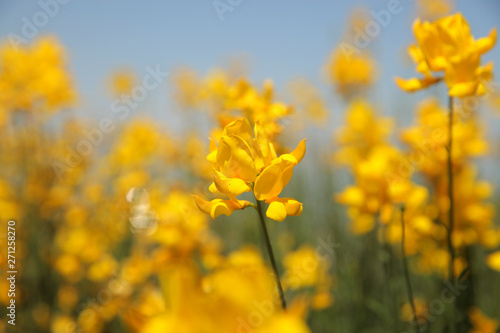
(106, 110)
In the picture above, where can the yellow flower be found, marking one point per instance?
(187, 88)
(34, 78)
(102, 269)
(191, 293)
(382, 178)
(349, 68)
(406, 312)
(307, 97)
(61, 324)
(481, 323)
(67, 297)
(305, 268)
(428, 142)
(434, 8)
(363, 130)
(228, 95)
(428, 139)
(493, 260)
(244, 163)
(351, 72)
(139, 143)
(122, 82)
(447, 45)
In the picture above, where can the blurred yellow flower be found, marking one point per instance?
(428, 142)
(421, 308)
(34, 78)
(63, 324)
(305, 268)
(428, 139)
(67, 297)
(433, 9)
(493, 260)
(102, 269)
(307, 98)
(351, 72)
(381, 176)
(284, 323)
(363, 130)
(189, 294)
(228, 96)
(122, 82)
(481, 323)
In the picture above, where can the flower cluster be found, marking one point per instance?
(244, 163)
(34, 78)
(447, 46)
(381, 181)
(230, 96)
(352, 70)
(428, 140)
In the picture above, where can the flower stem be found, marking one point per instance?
(271, 254)
(451, 273)
(407, 274)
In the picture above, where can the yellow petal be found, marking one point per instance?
(463, 89)
(274, 178)
(218, 207)
(212, 188)
(484, 74)
(485, 44)
(352, 196)
(300, 151)
(292, 206)
(265, 150)
(235, 158)
(241, 128)
(276, 211)
(230, 186)
(462, 75)
(212, 156)
(362, 224)
(415, 84)
(418, 57)
(202, 204)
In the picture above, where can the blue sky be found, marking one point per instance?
(284, 39)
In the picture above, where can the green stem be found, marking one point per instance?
(407, 274)
(451, 273)
(271, 254)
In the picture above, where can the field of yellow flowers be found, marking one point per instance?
(132, 227)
